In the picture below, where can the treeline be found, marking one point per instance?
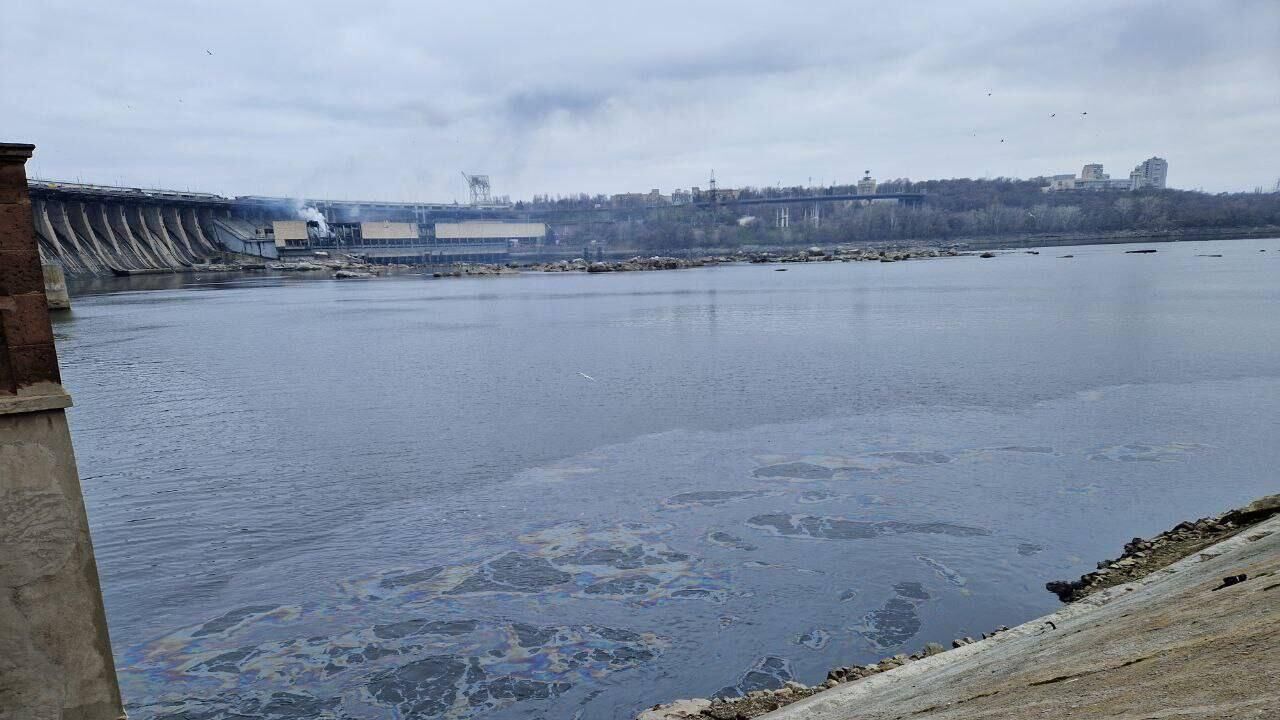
(953, 209)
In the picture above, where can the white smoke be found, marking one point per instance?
(311, 214)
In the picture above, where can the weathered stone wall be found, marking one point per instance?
(55, 287)
(55, 653)
(27, 358)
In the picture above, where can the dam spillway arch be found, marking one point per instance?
(100, 230)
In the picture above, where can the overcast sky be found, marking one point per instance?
(381, 100)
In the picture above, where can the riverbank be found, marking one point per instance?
(341, 266)
(1114, 238)
(1204, 652)
(980, 246)
(839, 253)
(960, 242)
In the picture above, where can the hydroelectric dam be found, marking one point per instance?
(101, 230)
(93, 230)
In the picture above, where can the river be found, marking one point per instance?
(575, 496)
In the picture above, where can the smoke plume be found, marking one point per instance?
(311, 214)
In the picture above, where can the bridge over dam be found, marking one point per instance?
(101, 230)
(902, 198)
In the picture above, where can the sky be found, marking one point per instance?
(390, 100)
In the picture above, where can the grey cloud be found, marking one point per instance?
(737, 61)
(389, 99)
(372, 111)
(537, 105)
(584, 97)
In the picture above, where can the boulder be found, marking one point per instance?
(1256, 511)
(678, 710)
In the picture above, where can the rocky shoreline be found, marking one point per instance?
(356, 267)
(341, 269)
(1143, 557)
(759, 702)
(1140, 558)
(352, 267)
(663, 262)
(635, 264)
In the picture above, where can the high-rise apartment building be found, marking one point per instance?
(1152, 172)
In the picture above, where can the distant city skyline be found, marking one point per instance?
(1150, 173)
(391, 101)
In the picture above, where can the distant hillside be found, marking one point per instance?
(954, 209)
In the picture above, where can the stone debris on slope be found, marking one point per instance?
(1183, 540)
(1143, 557)
(759, 702)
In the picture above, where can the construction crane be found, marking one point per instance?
(479, 186)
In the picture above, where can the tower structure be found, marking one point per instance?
(867, 185)
(479, 187)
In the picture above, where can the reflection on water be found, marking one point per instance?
(400, 498)
(418, 667)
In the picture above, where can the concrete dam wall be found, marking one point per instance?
(102, 230)
(98, 238)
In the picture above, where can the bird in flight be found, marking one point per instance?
(586, 376)
(1053, 114)
(208, 52)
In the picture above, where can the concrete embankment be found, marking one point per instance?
(1185, 625)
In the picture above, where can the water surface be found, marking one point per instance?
(579, 495)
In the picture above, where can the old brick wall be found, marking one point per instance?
(27, 355)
